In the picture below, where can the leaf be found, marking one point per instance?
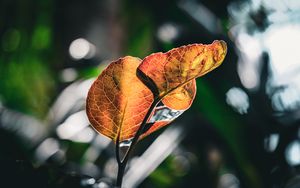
(118, 101)
(171, 75)
(164, 73)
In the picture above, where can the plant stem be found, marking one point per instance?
(122, 163)
(121, 170)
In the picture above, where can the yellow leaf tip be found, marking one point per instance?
(220, 51)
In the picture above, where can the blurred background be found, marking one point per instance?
(241, 131)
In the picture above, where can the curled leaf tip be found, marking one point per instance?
(219, 51)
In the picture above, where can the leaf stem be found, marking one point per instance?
(118, 150)
(121, 170)
(122, 163)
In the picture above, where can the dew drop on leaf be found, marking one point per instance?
(164, 113)
(125, 143)
(124, 147)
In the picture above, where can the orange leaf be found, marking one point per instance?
(118, 101)
(171, 75)
(166, 72)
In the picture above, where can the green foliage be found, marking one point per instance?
(26, 86)
(26, 80)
